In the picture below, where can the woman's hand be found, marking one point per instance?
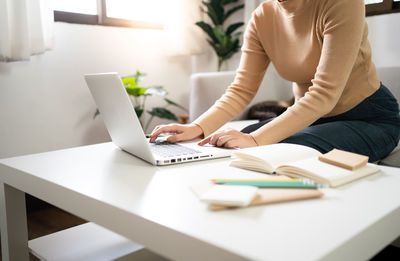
(229, 138)
(179, 132)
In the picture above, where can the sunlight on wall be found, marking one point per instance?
(138, 10)
(367, 2)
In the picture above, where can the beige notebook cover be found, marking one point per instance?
(264, 195)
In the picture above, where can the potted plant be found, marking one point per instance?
(139, 94)
(222, 39)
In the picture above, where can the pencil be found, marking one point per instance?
(276, 180)
(270, 184)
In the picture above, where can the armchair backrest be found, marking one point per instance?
(390, 77)
(206, 88)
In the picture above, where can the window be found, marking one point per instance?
(374, 7)
(151, 13)
(76, 6)
(128, 13)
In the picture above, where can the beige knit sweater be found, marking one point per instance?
(319, 45)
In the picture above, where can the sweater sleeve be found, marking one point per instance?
(343, 22)
(249, 75)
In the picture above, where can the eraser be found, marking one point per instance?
(227, 195)
(344, 159)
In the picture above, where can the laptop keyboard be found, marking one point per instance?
(166, 149)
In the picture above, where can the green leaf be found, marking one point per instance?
(97, 112)
(175, 104)
(222, 41)
(131, 87)
(139, 111)
(236, 36)
(156, 90)
(219, 34)
(136, 90)
(213, 13)
(232, 10)
(233, 27)
(228, 55)
(162, 113)
(226, 2)
(214, 46)
(128, 81)
(233, 48)
(219, 11)
(208, 30)
(138, 76)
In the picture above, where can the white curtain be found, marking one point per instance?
(182, 36)
(26, 28)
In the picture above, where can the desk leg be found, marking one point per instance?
(13, 224)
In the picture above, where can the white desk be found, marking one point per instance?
(154, 207)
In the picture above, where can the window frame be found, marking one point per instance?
(386, 7)
(102, 19)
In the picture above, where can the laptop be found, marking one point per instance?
(123, 125)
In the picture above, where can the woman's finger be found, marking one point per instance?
(222, 140)
(177, 137)
(163, 129)
(204, 141)
(213, 138)
(232, 144)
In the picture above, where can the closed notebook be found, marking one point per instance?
(237, 196)
(264, 195)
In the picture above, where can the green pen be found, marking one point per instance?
(270, 184)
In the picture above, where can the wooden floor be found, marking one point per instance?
(47, 220)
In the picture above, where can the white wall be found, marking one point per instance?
(384, 36)
(45, 104)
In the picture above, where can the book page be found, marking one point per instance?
(325, 173)
(275, 154)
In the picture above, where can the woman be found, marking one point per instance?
(322, 47)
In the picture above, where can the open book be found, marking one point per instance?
(297, 161)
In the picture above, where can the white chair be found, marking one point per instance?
(390, 77)
(206, 88)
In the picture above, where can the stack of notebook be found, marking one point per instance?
(300, 175)
(231, 193)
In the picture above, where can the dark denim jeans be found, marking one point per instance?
(371, 128)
